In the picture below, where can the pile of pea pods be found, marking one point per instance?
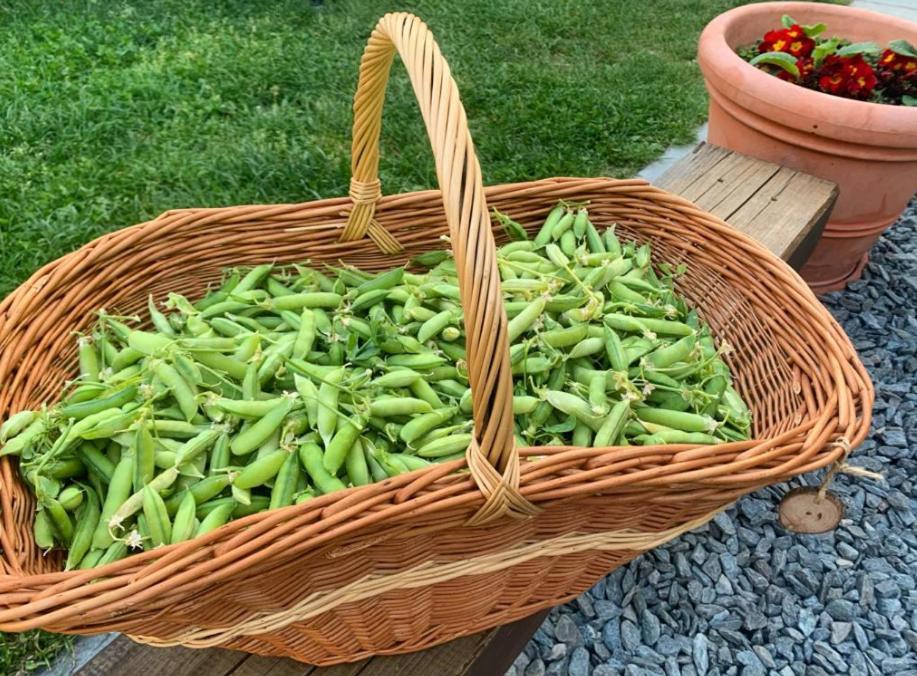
(287, 383)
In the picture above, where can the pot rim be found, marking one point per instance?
(800, 108)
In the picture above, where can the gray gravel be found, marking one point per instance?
(743, 596)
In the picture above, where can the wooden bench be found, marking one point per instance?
(781, 208)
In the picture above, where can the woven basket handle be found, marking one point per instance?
(492, 458)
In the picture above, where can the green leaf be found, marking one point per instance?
(814, 29)
(824, 49)
(787, 20)
(785, 61)
(859, 48)
(903, 47)
(909, 100)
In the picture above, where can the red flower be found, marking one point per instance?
(848, 76)
(792, 40)
(805, 66)
(897, 63)
(898, 75)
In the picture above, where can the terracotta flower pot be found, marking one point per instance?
(868, 149)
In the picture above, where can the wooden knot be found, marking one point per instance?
(501, 492)
(365, 192)
(361, 221)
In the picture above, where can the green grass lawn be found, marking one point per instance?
(113, 112)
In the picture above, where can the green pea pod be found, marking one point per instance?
(223, 363)
(386, 280)
(424, 391)
(248, 348)
(597, 399)
(219, 455)
(119, 490)
(562, 225)
(429, 259)
(144, 457)
(526, 319)
(312, 459)
(247, 441)
(679, 420)
(26, 438)
(397, 379)
(614, 350)
(115, 400)
(179, 388)
(202, 491)
(441, 290)
(261, 470)
(565, 337)
(635, 325)
(96, 461)
(386, 407)
(420, 425)
(71, 498)
(216, 518)
(64, 469)
(91, 560)
(570, 404)
(545, 233)
(409, 462)
(328, 394)
(276, 288)
(159, 319)
(667, 355)
(315, 299)
(438, 448)
(183, 525)
(612, 244)
(533, 365)
(157, 518)
(420, 313)
(568, 243)
(376, 471)
(63, 526)
(253, 278)
(178, 429)
(86, 521)
(161, 482)
(612, 425)
(677, 437)
(587, 347)
(309, 394)
(285, 483)
(246, 409)
(43, 530)
(523, 404)
(147, 343)
(15, 424)
(305, 336)
(227, 327)
(197, 445)
(434, 325)
(337, 449)
(116, 551)
(593, 240)
(355, 465)
(89, 359)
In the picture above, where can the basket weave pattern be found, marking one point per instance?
(428, 556)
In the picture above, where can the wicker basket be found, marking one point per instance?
(423, 558)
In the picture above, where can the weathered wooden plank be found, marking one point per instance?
(256, 665)
(123, 656)
(782, 208)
